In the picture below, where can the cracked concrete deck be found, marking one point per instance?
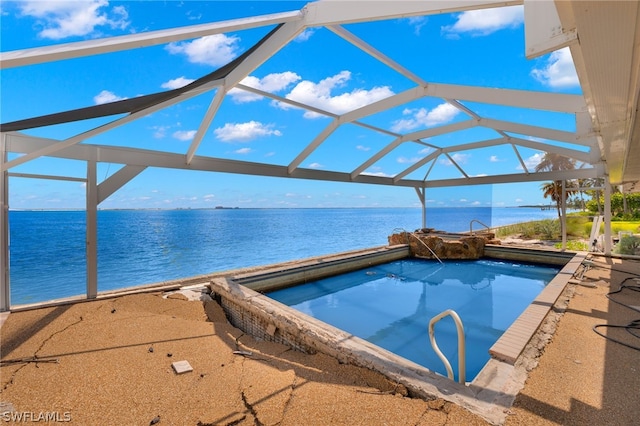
(109, 362)
(114, 367)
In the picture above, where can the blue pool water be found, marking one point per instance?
(390, 305)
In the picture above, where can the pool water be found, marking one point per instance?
(390, 305)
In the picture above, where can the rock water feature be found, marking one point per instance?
(425, 242)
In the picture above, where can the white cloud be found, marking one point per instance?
(320, 96)
(363, 148)
(176, 83)
(376, 171)
(184, 135)
(417, 22)
(245, 132)
(494, 159)
(441, 114)
(457, 157)
(121, 16)
(461, 158)
(486, 21)
(62, 19)
(160, 132)
(558, 71)
(214, 50)
(270, 83)
(243, 151)
(208, 196)
(405, 160)
(532, 161)
(316, 166)
(305, 35)
(192, 16)
(106, 96)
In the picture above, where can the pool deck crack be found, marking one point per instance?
(45, 341)
(287, 403)
(249, 407)
(12, 377)
(34, 359)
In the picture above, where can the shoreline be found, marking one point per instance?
(269, 208)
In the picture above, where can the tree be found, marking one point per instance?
(618, 205)
(594, 193)
(582, 183)
(550, 163)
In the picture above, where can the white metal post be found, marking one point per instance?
(563, 218)
(421, 195)
(92, 230)
(5, 286)
(607, 216)
(424, 207)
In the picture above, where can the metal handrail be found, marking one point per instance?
(423, 243)
(461, 345)
(476, 220)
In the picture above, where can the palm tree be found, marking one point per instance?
(553, 190)
(555, 162)
(595, 193)
(581, 185)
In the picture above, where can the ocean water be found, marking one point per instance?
(135, 247)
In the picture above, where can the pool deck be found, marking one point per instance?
(110, 362)
(515, 339)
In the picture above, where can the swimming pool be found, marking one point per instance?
(390, 305)
(243, 296)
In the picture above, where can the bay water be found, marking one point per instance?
(136, 247)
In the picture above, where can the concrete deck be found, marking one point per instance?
(110, 362)
(583, 378)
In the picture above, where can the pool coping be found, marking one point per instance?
(489, 395)
(513, 341)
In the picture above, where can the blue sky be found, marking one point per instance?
(481, 48)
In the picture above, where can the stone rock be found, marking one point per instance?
(425, 245)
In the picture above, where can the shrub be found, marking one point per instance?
(578, 226)
(624, 226)
(628, 245)
(574, 245)
(548, 229)
(616, 226)
(617, 203)
(528, 230)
